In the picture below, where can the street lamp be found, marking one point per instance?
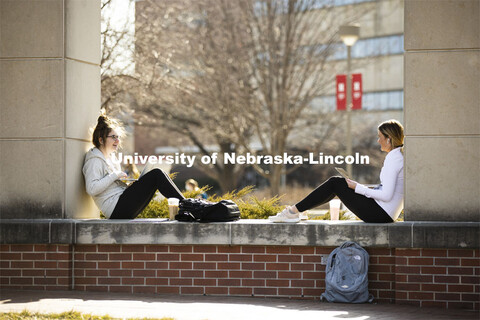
(349, 35)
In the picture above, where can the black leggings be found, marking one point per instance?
(139, 194)
(365, 208)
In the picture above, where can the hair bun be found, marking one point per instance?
(102, 119)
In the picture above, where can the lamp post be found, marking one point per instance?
(349, 35)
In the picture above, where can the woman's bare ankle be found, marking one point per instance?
(294, 209)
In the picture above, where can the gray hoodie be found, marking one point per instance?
(101, 181)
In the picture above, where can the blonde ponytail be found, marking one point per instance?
(393, 130)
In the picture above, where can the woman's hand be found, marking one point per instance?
(121, 175)
(351, 184)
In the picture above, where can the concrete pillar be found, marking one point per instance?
(49, 95)
(442, 110)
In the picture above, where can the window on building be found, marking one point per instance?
(260, 7)
(370, 47)
(338, 3)
(371, 101)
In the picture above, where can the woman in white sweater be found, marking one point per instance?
(381, 204)
(103, 177)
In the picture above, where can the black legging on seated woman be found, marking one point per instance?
(138, 195)
(365, 208)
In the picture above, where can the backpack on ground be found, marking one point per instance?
(199, 210)
(346, 275)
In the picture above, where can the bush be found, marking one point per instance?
(341, 216)
(155, 209)
(250, 207)
(255, 208)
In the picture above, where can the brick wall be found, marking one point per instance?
(39, 266)
(447, 278)
(212, 270)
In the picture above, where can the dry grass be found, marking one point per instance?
(70, 315)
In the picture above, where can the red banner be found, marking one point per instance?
(341, 92)
(356, 91)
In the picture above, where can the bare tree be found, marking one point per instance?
(291, 41)
(117, 64)
(194, 87)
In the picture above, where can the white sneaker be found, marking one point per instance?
(287, 215)
(303, 215)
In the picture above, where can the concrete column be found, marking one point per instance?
(442, 110)
(49, 95)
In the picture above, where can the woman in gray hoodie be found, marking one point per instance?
(103, 177)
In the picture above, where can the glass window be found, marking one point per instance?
(324, 103)
(370, 47)
(367, 101)
(260, 6)
(338, 3)
(385, 100)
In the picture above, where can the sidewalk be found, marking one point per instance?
(211, 308)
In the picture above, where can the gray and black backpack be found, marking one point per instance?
(346, 275)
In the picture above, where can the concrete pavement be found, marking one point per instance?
(211, 307)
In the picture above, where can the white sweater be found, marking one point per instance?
(101, 181)
(389, 195)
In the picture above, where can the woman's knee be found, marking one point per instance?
(338, 183)
(158, 171)
(336, 180)
(154, 175)
(160, 174)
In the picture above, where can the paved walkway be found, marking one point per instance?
(211, 308)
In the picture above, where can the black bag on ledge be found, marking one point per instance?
(200, 210)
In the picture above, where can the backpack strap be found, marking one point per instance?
(370, 298)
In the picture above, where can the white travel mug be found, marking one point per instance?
(335, 209)
(173, 207)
